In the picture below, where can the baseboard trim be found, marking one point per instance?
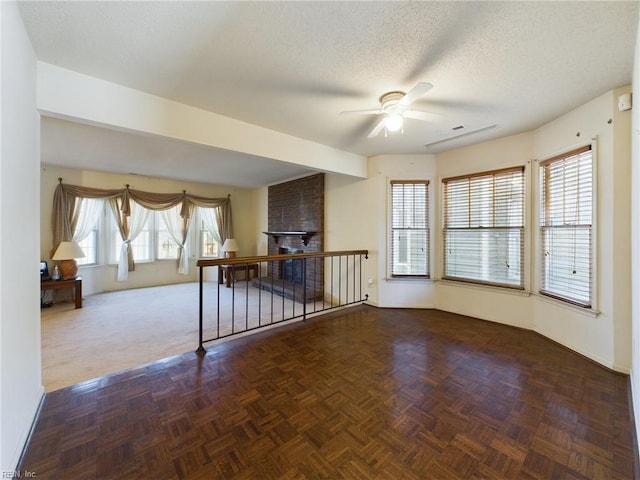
(634, 432)
(29, 435)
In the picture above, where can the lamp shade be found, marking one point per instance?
(230, 247)
(66, 254)
(68, 251)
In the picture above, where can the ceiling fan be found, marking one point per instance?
(395, 108)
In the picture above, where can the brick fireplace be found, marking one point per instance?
(296, 225)
(290, 270)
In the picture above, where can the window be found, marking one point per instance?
(566, 214)
(89, 246)
(87, 228)
(208, 246)
(166, 246)
(484, 228)
(209, 235)
(409, 228)
(154, 237)
(141, 245)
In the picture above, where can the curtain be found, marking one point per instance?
(67, 200)
(130, 227)
(66, 207)
(222, 208)
(123, 227)
(178, 228)
(177, 224)
(210, 220)
(89, 214)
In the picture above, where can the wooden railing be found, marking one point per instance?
(247, 293)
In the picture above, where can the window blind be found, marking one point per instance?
(409, 245)
(566, 216)
(483, 232)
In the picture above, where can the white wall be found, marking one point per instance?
(349, 225)
(605, 337)
(496, 304)
(635, 240)
(261, 206)
(102, 278)
(621, 223)
(20, 380)
(356, 218)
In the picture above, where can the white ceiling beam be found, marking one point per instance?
(67, 94)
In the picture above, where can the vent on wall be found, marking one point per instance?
(462, 133)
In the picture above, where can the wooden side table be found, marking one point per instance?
(229, 272)
(75, 283)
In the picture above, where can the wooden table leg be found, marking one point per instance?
(78, 291)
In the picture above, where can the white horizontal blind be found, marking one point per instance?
(566, 216)
(484, 228)
(409, 228)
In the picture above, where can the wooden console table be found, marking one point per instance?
(75, 283)
(229, 272)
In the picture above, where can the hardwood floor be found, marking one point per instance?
(364, 393)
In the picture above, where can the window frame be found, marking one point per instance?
(202, 231)
(521, 228)
(95, 234)
(159, 226)
(427, 230)
(543, 208)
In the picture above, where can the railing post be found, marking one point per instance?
(304, 289)
(201, 350)
(366, 257)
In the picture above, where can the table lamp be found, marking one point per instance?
(66, 253)
(230, 248)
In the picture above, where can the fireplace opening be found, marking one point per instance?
(291, 270)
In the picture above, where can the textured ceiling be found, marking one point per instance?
(294, 66)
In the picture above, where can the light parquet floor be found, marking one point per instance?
(362, 393)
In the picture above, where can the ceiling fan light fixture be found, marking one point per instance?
(393, 122)
(394, 108)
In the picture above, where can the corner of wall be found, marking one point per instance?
(635, 243)
(20, 370)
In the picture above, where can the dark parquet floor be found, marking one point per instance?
(364, 393)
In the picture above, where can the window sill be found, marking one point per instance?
(137, 262)
(487, 288)
(408, 279)
(589, 312)
(88, 266)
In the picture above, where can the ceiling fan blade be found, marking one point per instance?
(373, 111)
(415, 93)
(377, 129)
(424, 116)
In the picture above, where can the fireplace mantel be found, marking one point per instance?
(304, 236)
